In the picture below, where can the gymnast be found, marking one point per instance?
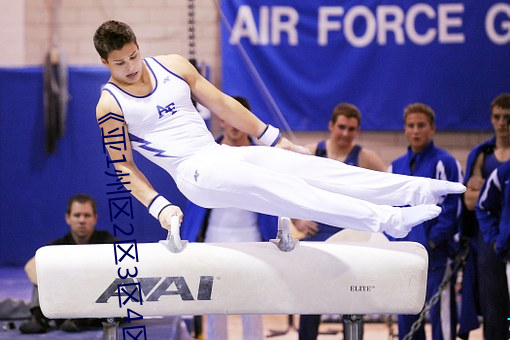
(150, 101)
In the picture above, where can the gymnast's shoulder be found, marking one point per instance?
(107, 104)
(178, 65)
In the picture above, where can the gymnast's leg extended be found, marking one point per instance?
(218, 180)
(331, 175)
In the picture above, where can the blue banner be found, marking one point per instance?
(295, 60)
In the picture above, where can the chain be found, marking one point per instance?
(458, 266)
(191, 30)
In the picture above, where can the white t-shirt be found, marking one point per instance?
(232, 225)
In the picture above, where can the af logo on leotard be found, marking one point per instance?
(164, 110)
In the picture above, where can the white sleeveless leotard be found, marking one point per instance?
(164, 126)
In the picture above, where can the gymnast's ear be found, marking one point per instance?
(104, 62)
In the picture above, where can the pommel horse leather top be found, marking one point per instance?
(344, 277)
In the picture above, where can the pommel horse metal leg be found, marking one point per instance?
(284, 242)
(353, 327)
(110, 327)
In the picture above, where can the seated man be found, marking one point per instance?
(81, 216)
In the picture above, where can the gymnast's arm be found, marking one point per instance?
(138, 184)
(224, 106)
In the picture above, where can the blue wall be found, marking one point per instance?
(35, 185)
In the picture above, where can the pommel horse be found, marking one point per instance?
(352, 276)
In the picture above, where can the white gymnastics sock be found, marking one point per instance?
(442, 188)
(412, 216)
(434, 191)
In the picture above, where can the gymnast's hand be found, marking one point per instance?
(286, 144)
(166, 215)
(308, 228)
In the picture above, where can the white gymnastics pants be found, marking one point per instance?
(278, 182)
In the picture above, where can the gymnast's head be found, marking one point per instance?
(116, 44)
(112, 36)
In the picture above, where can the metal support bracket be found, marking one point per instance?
(173, 240)
(284, 240)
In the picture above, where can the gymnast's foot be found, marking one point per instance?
(412, 216)
(437, 191)
(442, 188)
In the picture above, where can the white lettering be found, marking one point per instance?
(244, 26)
(422, 24)
(273, 22)
(384, 13)
(368, 36)
(490, 23)
(264, 25)
(360, 25)
(284, 19)
(445, 22)
(413, 35)
(325, 25)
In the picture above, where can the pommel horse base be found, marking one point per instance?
(349, 277)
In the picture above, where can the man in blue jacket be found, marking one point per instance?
(424, 159)
(493, 212)
(484, 276)
(229, 225)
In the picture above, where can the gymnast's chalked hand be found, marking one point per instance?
(165, 217)
(286, 144)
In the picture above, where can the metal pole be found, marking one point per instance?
(191, 30)
(353, 327)
(110, 329)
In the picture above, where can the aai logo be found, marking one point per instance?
(152, 288)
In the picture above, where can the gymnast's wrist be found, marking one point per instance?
(157, 205)
(270, 136)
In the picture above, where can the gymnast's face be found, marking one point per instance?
(125, 64)
(419, 131)
(82, 221)
(344, 131)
